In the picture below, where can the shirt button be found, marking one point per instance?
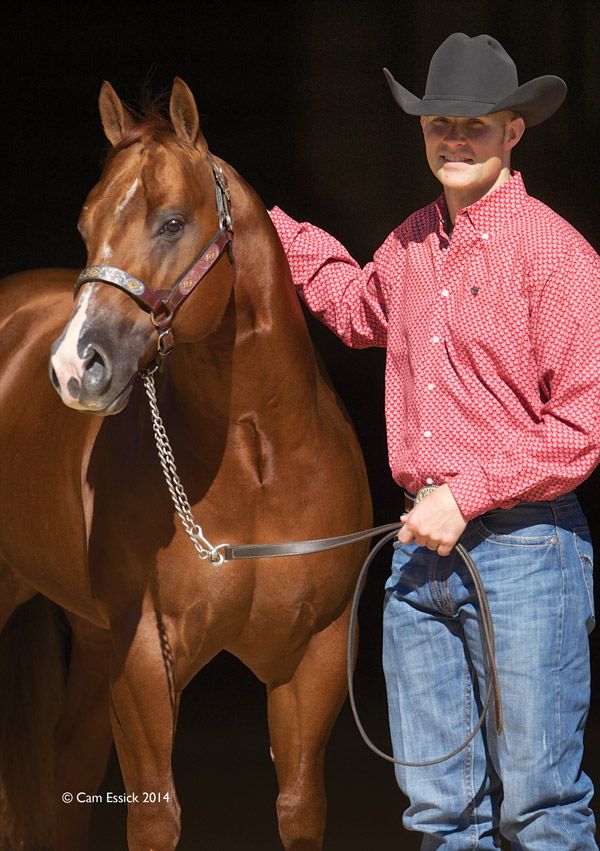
(485, 235)
(428, 481)
(426, 434)
(445, 293)
(435, 339)
(431, 386)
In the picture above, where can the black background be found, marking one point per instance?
(294, 97)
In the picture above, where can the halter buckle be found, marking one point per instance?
(165, 343)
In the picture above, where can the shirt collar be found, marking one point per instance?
(493, 209)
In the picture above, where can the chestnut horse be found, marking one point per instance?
(263, 448)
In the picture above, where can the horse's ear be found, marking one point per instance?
(116, 120)
(184, 114)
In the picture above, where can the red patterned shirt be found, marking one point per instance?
(493, 343)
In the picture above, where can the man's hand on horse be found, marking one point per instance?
(436, 522)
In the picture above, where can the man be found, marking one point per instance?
(489, 306)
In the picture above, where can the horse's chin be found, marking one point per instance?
(117, 405)
(104, 408)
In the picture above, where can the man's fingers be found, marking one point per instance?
(404, 535)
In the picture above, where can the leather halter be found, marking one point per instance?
(162, 305)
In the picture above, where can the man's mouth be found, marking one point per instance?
(448, 158)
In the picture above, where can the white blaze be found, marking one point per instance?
(105, 252)
(66, 361)
(127, 197)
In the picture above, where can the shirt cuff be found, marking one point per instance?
(287, 228)
(471, 491)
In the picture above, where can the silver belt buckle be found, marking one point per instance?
(424, 491)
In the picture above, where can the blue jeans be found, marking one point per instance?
(527, 784)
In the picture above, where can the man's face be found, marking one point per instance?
(467, 155)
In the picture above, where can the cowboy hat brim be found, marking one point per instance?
(534, 101)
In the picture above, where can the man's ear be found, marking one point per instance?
(513, 130)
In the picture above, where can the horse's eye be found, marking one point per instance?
(172, 227)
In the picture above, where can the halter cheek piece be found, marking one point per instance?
(162, 305)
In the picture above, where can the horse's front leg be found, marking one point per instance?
(144, 702)
(84, 735)
(301, 715)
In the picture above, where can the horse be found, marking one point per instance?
(264, 449)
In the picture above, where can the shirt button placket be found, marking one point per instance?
(445, 293)
(439, 320)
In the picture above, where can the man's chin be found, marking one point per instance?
(459, 175)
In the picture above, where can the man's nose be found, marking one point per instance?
(454, 134)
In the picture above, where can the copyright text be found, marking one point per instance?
(116, 798)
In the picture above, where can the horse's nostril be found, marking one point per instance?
(96, 376)
(54, 378)
(95, 367)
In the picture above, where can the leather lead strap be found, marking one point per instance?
(297, 548)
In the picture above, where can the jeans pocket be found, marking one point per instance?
(407, 549)
(583, 544)
(508, 528)
(401, 561)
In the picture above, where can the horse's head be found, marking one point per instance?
(144, 225)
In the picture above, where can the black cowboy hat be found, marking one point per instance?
(476, 76)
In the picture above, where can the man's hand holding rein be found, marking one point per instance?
(436, 522)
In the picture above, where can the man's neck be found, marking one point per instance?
(458, 199)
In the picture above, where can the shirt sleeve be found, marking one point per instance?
(348, 299)
(563, 447)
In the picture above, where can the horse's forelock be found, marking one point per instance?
(155, 129)
(151, 127)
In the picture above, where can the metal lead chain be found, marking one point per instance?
(203, 547)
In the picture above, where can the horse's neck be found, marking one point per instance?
(261, 357)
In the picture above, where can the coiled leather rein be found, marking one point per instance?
(248, 551)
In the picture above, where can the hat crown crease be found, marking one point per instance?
(476, 76)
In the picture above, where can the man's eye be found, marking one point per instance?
(173, 226)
